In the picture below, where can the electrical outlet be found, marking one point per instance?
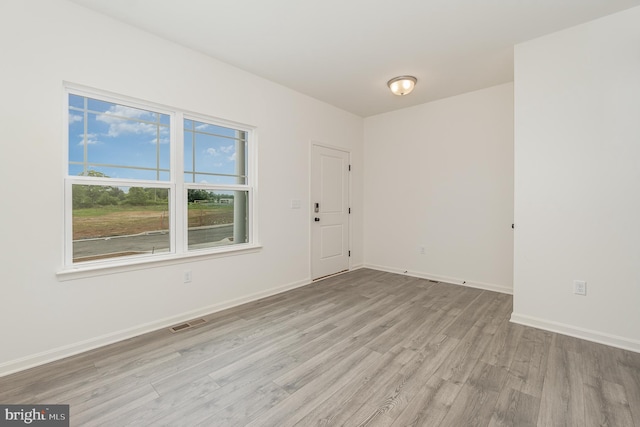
(187, 276)
(580, 287)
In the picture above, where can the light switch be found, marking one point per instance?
(580, 287)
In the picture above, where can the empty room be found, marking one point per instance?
(358, 213)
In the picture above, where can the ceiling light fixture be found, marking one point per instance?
(402, 85)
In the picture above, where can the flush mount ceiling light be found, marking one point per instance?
(402, 85)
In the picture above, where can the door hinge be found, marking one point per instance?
(349, 168)
(349, 253)
(349, 210)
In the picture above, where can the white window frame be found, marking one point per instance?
(178, 226)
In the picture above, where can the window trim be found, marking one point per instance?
(143, 263)
(179, 251)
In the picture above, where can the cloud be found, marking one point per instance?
(130, 112)
(227, 149)
(74, 118)
(122, 127)
(92, 139)
(119, 125)
(162, 141)
(202, 126)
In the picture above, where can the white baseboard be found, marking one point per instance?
(577, 332)
(58, 353)
(452, 280)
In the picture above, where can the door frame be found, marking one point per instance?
(317, 143)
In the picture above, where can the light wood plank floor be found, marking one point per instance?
(363, 348)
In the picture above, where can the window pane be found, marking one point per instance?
(76, 101)
(217, 218)
(129, 142)
(215, 150)
(116, 172)
(112, 222)
(207, 128)
(77, 135)
(215, 154)
(188, 152)
(215, 179)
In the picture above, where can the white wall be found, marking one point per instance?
(46, 42)
(441, 175)
(577, 180)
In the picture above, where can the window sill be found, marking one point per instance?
(93, 270)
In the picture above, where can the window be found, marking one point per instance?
(214, 164)
(148, 181)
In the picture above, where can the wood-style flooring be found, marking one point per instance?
(363, 348)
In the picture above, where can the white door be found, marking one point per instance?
(329, 211)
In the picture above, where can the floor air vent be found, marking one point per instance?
(187, 325)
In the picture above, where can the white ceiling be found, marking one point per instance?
(344, 51)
